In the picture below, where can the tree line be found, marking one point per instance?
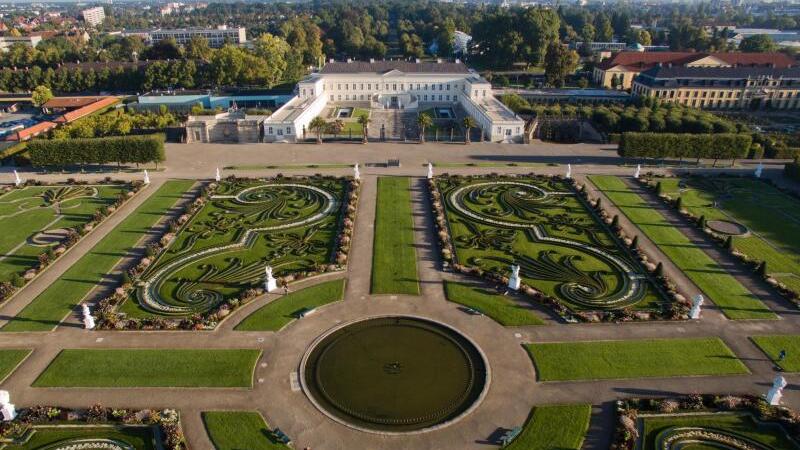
(118, 149)
(674, 145)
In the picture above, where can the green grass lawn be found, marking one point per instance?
(772, 217)
(276, 314)
(561, 427)
(24, 212)
(394, 258)
(239, 430)
(502, 309)
(562, 361)
(771, 435)
(772, 345)
(51, 306)
(150, 368)
(9, 360)
(735, 301)
(140, 437)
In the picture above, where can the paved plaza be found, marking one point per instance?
(513, 390)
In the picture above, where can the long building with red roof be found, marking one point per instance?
(620, 69)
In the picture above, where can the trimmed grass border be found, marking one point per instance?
(643, 358)
(501, 309)
(735, 301)
(221, 368)
(236, 430)
(771, 345)
(42, 436)
(550, 427)
(50, 307)
(278, 313)
(10, 359)
(394, 258)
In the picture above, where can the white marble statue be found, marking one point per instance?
(776, 391)
(638, 171)
(218, 176)
(271, 284)
(514, 280)
(697, 303)
(569, 171)
(430, 171)
(88, 322)
(17, 179)
(146, 177)
(356, 172)
(85, 309)
(8, 411)
(759, 169)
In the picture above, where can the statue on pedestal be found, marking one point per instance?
(759, 169)
(569, 171)
(271, 284)
(356, 172)
(430, 171)
(514, 280)
(638, 171)
(218, 176)
(697, 303)
(776, 391)
(146, 177)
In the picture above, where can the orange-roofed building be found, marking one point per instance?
(30, 132)
(83, 111)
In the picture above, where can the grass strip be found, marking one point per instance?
(394, 258)
(236, 430)
(550, 427)
(502, 309)
(10, 359)
(150, 368)
(735, 300)
(599, 360)
(50, 307)
(772, 346)
(138, 437)
(276, 314)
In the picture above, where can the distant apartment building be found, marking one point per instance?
(782, 38)
(216, 37)
(7, 41)
(727, 88)
(621, 68)
(94, 16)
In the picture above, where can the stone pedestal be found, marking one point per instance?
(88, 322)
(8, 411)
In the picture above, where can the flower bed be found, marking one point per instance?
(166, 421)
(697, 414)
(627, 254)
(63, 192)
(108, 311)
(723, 240)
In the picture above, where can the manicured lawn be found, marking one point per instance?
(735, 301)
(562, 361)
(150, 368)
(140, 438)
(280, 312)
(394, 258)
(9, 360)
(772, 217)
(51, 306)
(551, 427)
(772, 345)
(769, 434)
(238, 430)
(504, 310)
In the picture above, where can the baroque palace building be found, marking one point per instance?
(722, 87)
(394, 92)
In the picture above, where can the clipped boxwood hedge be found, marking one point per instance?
(683, 145)
(117, 149)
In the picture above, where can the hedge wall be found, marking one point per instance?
(118, 149)
(673, 145)
(792, 170)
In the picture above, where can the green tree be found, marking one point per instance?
(273, 50)
(644, 38)
(364, 120)
(604, 32)
(468, 123)
(41, 95)
(197, 49)
(559, 62)
(424, 120)
(318, 125)
(758, 43)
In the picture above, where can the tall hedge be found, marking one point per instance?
(673, 145)
(792, 170)
(117, 149)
